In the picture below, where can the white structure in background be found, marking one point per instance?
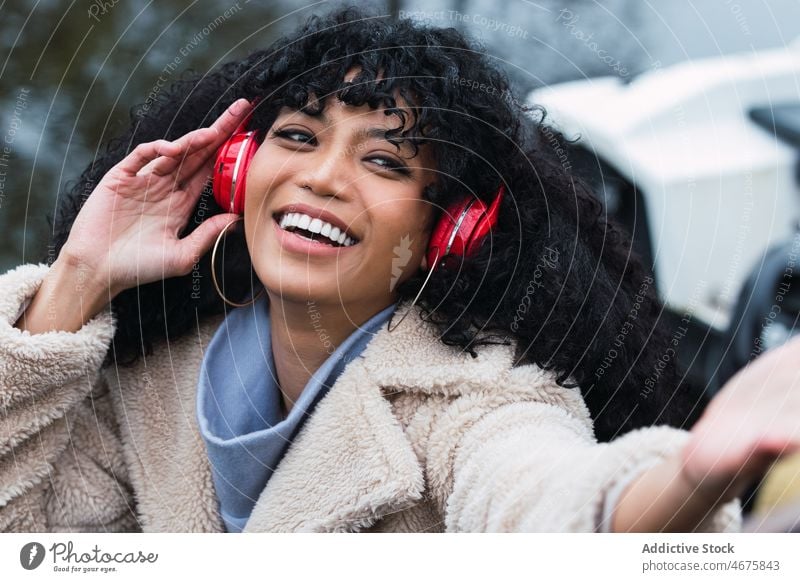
(718, 188)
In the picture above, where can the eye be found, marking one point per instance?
(390, 164)
(295, 135)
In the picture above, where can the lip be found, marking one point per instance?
(294, 243)
(323, 215)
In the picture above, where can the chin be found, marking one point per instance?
(299, 289)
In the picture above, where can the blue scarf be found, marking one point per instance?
(239, 403)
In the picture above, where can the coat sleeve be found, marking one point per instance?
(534, 465)
(61, 466)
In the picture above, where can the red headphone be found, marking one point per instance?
(460, 231)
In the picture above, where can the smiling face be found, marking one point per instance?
(335, 175)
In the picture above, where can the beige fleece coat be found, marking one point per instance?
(413, 436)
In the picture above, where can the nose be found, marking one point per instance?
(327, 171)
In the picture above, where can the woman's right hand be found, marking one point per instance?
(750, 424)
(126, 233)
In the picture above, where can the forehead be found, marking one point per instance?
(334, 110)
(363, 117)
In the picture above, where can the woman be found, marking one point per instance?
(480, 410)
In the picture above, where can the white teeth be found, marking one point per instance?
(317, 226)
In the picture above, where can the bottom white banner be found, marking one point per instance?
(391, 557)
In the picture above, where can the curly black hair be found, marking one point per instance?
(555, 275)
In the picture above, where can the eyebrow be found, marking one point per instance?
(376, 133)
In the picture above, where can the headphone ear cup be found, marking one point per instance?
(440, 241)
(230, 170)
(485, 222)
(463, 227)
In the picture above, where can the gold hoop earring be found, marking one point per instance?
(214, 270)
(419, 293)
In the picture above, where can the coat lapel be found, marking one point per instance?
(352, 463)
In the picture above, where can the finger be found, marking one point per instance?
(209, 139)
(188, 145)
(777, 446)
(197, 181)
(230, 119)
(194, 156)
(190, 190)
(223, 128)
(196, 140)
(146, 152)
(199, 162)
(201, 145)
(161, 166)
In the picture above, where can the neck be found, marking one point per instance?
(305, 334)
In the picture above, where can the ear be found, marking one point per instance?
(424, 264)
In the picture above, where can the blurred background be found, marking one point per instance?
(685, 116)
(69, 72)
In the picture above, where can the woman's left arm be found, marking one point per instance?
(750, 424)
(531, 463)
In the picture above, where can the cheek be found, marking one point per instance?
(404, 233)
(265, 171)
